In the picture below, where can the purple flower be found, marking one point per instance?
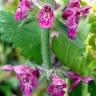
(45, 16)
(68, 12)
(72, 31)
(74, 3)
(77, 78)
(72, 13)
(85, 10)
(27, 3)
(21, 11)
(56, 88)
(26, 76)
(18, 14)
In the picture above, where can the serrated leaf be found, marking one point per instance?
(67, 51)
(28, 39)
(70, 51)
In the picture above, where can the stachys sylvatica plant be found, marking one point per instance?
(50, 29)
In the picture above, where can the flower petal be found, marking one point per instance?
(35, 72)
(70, 21)
(87, 79)
(18, 14)
(74, 3)
(56, 88)
(58, 93)
(21, 11)
(57, 80)
(74, 84)
(84, 8)
(50, 88)
(68, 12)
(72, 31)
(27, 83)
(7, 67)
(45, 16)
(73, 75)
(21, 68)
(28, 3)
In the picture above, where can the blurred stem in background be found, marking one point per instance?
(85, 73)
(1, 4)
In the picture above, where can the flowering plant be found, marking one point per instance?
(53, 37)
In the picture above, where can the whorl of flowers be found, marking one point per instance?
(72, 13)
(26, 75)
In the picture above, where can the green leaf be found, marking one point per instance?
(92, 21)
(67, 51)
(93, 27)
(92, 18)
(8, 26)
(70, 51)
(92, 88)
(26, 37)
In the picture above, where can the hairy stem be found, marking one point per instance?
(45, 48)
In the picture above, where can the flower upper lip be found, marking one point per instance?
(45, 16)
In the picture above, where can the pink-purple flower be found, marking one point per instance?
(21, 11)
(26, 75)
(77, 78)
(45, 16)
(72, 13)
(56, 87)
